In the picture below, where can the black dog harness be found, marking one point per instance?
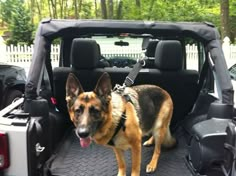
(129, 80)
(121, 123)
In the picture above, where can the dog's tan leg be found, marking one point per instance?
(149, 142)
(134, 136)
(120, 161)
(136, 158)
(151, 167)
(159, 133)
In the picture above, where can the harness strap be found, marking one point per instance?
(129, 80)
(121, 123)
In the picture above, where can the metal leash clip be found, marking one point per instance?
(119, 89)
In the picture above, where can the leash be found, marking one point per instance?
(129, 80)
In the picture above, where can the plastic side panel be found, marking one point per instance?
(18, 150)
(207, 146)
(39, 135)
(230, 146)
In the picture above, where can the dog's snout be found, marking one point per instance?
(83, 132)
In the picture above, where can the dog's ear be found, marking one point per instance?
(103, 87)
(73, 88)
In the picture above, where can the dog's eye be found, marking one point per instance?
(79, 110)
(93, 110)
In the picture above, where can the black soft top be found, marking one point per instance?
(205, 32)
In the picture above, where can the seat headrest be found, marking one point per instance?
(151, 48)
(169, 55)
(84, 53)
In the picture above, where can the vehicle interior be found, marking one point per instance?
(198, 123)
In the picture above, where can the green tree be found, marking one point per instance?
(161, 10)
(6, 9)
(164, 10)
(232, 20)
(224, 11)
(20, 26)
(104, 9)
(86, 12)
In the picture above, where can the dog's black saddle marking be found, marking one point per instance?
(121, 123)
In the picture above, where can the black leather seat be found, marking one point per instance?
(84, 58)
(150, 54)
(151, 48)
(180, 83)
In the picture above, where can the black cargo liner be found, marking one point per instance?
(97, 160)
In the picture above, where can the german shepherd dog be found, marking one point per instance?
(96, 116)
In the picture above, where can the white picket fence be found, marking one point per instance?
(21, 55)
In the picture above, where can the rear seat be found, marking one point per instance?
(168, 74)
(150, 54)
(84, 61)
(151, 48)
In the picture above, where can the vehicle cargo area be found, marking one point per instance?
(70, 159)
(191, 106)
(200, 89)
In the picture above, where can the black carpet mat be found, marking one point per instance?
(96, 160)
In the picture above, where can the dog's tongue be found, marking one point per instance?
(85, 142)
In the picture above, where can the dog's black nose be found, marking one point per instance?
(83, 132)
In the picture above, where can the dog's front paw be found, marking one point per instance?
(121, 172)
(151, 167)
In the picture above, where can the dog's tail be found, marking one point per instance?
(169, 140)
